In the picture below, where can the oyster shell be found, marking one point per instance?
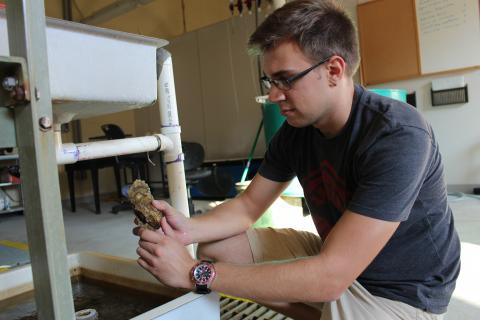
(141, 198)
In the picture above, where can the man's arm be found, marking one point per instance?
(237, 215)
(350, 247)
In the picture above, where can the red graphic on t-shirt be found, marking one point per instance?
(325, 188)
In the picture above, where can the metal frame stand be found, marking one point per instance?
(35, 142)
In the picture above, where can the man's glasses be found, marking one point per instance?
(286, 84)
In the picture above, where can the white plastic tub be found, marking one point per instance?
(95, 71)
(126, 273)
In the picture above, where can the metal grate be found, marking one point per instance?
(233, 309)
(449, 96)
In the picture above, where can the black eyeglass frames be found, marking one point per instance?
(286, 84)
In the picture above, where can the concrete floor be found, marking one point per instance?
(111, 234)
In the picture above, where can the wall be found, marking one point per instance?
(53, 8)
(456, 127)
(214, 78)
(220, 88)
(216, 82)
(199, 14)
(160, 18)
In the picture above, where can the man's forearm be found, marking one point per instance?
(226, 220)
(301, 280)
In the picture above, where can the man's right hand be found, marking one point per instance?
(174, 224)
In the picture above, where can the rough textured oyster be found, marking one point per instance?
(141, 199)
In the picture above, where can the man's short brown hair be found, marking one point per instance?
(321, 28)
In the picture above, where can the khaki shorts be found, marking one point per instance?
(268, 244)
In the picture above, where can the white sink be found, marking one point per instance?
(95, 71)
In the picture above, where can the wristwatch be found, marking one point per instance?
(203, 274)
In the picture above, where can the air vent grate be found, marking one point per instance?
(233, 309)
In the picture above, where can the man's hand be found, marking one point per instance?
(174, 224)
(165, 258)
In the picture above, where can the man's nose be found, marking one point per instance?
(275, 94)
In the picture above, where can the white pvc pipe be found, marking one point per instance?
(170, 127)
(70, 152)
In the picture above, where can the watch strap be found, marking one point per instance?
(202, 289)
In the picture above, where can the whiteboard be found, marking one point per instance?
(449, 34)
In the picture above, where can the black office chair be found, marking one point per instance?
(209, 182)
(194, 155)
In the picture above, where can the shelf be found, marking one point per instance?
(8, 184)
(11, 210)
(9, 157)
(5, 184)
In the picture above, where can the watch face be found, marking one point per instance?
(202, 274)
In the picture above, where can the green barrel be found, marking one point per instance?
(272, 120)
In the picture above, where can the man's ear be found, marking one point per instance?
(336, 68)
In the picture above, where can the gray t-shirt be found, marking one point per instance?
(384, 164)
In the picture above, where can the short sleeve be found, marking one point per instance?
(391, 173)
(275, 165)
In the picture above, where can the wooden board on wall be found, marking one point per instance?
(388, 41)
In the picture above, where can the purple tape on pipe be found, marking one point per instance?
(179, 158)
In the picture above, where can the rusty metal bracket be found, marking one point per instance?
(14, 84)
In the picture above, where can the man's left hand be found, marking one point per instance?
(165, 258)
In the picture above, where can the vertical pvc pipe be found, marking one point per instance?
(173, 157)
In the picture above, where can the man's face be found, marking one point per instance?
(306, 102)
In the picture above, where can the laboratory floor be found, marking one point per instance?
(112, 234)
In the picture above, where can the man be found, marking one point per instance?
(373, 179)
